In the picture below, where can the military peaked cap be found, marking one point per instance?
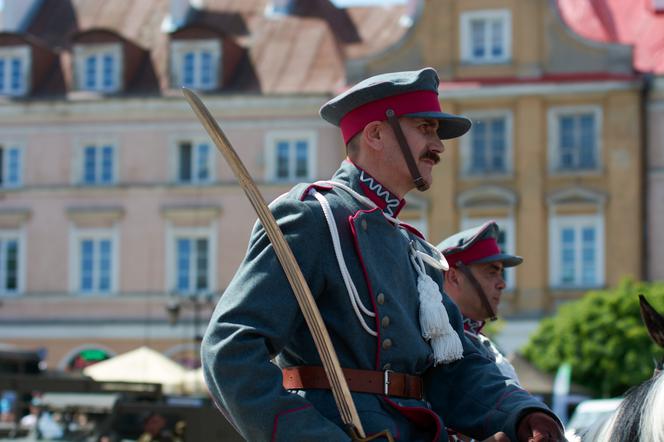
(409, 94)
(476, 246)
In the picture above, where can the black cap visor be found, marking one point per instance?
(451, 126)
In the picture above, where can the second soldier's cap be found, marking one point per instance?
(409, 94)
(476, 246)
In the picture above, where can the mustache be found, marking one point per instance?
(431, 155)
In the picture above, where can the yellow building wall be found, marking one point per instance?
(533, 183)
(436, 39)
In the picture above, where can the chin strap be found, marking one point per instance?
(478, 288)
(420, 183)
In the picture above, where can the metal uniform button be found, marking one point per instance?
(363, 223)
(387, 344)
(386, 321)
(380, 298)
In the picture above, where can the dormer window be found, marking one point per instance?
(195, 63)
(98, 67)
(14, 70)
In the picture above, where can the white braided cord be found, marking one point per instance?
(353, 295)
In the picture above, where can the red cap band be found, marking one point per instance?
(409, 103)
(481, 249)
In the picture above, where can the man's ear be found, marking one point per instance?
(373, 135)
(452, 277)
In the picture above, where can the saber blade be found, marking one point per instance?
(306, 301)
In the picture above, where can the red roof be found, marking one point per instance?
(632, 22)
(303, 52)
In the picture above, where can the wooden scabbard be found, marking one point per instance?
(285, 255)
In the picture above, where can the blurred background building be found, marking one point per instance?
(117, 214)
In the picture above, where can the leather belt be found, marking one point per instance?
(387, 383)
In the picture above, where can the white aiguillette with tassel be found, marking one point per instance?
(434, 321)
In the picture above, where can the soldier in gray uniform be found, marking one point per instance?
(377, 284)
(475, 283)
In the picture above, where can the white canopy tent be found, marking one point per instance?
(140, 365)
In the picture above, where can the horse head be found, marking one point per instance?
(654, 322)
(639, 416)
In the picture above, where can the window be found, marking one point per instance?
(194, 161)
(192, 264)
(486, 36)
(290, 156)
(577, 248)
(505, 241)
(10, 262)
(98, 164)
(575, 139)
(10, 166)
(488, 147)
(192, 260)
(94, 256)
(195, 63)
(98, 67)
(14, 70)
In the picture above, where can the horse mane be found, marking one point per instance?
(638, 418)
(652, 419)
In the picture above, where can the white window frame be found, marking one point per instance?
(78, 234)
(173, 232)
(271, 140)
(24, 54)
(467, 144)
(175, 160)
(486, 15)
(78, 176)
(15, 147)
(181, 47)
(19, 236)
(81, 54)
(505, 224)
(553, 118)
(556, 224)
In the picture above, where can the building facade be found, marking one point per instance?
(640, 25)
(116, 210)
(556, 152)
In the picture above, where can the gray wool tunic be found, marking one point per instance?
(257, 328)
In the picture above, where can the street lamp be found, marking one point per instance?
(197, 302)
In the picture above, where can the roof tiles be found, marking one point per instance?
(632, 22)
(303, 52)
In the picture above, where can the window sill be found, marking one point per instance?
(575, 172)
(471, 62)
(562, 290)
(482, 176)
(193, 183)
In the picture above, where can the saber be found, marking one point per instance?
(314, 320)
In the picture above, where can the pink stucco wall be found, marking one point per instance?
(145, 154)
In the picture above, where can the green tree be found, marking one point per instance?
(601, 335)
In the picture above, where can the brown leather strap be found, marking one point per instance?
(420, 183)
(386, 383)
(478, 288)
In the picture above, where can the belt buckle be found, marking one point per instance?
(386, 382)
